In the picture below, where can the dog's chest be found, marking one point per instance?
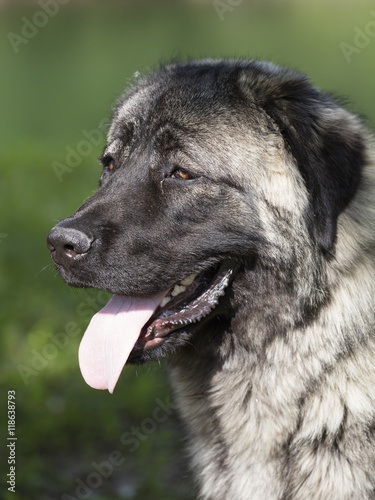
(237, 434)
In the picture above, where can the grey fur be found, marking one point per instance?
(279, 392)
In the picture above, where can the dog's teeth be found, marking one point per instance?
(189, 280)
(165, 301)
(177, 290)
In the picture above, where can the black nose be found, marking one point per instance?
(66, 244)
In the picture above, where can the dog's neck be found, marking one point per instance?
(235, 412)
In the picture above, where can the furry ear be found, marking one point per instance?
(326, 141)
(333, 174)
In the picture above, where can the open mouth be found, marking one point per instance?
(130, 325)
(188, 302)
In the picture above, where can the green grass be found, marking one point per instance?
(64, 81)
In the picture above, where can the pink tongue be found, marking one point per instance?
(111, 336)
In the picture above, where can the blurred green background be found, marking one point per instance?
(61, 72)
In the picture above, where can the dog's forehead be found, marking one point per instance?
(152, 105)
(148, 115)
(182, 98)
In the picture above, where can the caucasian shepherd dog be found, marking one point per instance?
(235, 226)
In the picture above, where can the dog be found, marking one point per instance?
(235, 225)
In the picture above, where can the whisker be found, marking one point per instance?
(43, 269)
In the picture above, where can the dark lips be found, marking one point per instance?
(198, 300)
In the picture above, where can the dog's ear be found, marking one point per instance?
(325, 140)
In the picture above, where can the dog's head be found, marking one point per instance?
(213, 171)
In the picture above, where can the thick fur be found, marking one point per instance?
(278, 385)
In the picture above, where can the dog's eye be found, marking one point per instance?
(181, 173)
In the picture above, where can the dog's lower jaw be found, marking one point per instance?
(188, 341)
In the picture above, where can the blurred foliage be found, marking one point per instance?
(58, 88)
